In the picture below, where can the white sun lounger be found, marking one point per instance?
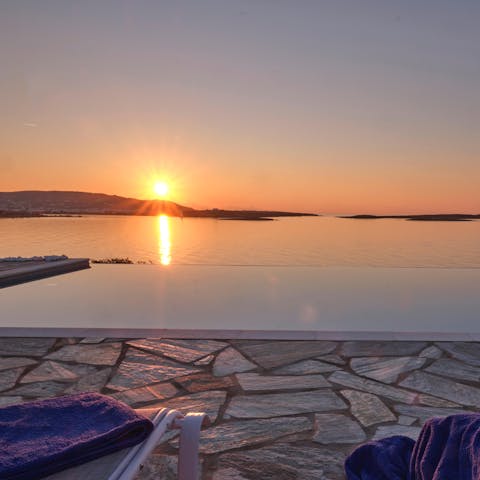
(126, 464)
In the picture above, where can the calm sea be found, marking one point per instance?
(315, 241)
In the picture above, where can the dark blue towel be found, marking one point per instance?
(447, 449)
(386, 459)
(44, 437)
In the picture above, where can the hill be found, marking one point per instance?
(38, 203)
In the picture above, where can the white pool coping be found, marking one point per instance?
(277, 303)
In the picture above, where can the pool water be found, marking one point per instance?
(248, 302)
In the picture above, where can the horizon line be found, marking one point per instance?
(320, 213)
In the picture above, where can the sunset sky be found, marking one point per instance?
(324, 106)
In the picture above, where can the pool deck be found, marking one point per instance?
(280, 409)
(13, 273)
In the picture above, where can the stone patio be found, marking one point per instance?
(280, 409)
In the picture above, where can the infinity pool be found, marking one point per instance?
(248, 302)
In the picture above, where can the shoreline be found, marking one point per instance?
(250, 215)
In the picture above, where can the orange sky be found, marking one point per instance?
(327, 108)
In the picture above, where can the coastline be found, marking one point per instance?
(254, 215)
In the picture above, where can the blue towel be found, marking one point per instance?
(44, 437)
(386, 459)
(447, 449)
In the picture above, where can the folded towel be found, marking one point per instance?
(43, 437)
(386, 459)
(447, 449)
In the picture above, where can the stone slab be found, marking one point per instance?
(39, 389)
(367, 408)
(254, 382)
(284, 461)
(431, 352)
(228, 473)
(381, 349)
(92, 340)
(355, 382)
(208, 402)
(185, 351)
(204, 361)
(464, 351)
(139, 369)
(102, 354)
(336, 428)
(67, 341)
(50, 370)
(455, 369)
(144, 395)
(8, 378)
(158, 467)
(230, 361)
(279, 404)
(443, 388)
(385, 369)
(199, 382)
(332, 358)
(10, 400)
(391, 430)
(25, 347)
(406, 420)
(271, 354)
(247, 433)
(93, 382)
(306, 367)
(424, 413)
(347, 379)
(15, 362)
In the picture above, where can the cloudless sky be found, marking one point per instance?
(324, 106)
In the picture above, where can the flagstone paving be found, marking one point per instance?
(306, 367)
(181, 350)
(334, 428)
(254, 382)
(390, 430)
(454, 369)
(14, 362)
(230, 361)
(367, 408)
(385, 369)
(285, 410)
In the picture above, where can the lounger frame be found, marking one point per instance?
(125, 465)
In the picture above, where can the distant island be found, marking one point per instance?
(65, 203)
(439, 217)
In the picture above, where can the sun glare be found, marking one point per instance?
(160, 189)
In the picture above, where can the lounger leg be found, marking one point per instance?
(132, 463)
(188, 464)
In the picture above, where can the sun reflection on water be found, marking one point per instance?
(164, 242)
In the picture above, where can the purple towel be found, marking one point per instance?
(43, 437)
(447, 449)
(386, 459)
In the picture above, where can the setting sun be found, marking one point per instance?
(160, 189)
